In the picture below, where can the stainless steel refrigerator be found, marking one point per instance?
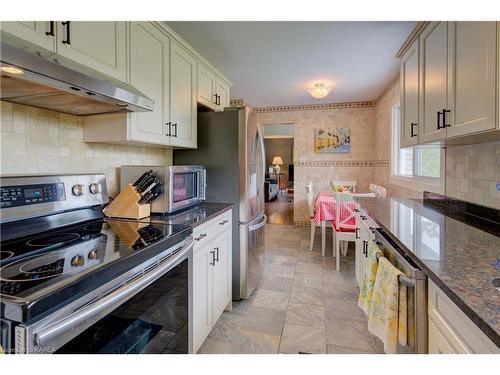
(231, 147)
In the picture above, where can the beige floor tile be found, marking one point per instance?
(309, 268)
(337, 349)
(297, 339)
(305, 315)
(349, 334)
(278, 283)
(261, 319)
(279, 270)
(345, 309)
(308, 281)
(310, 296)
(271, 299)
(213, 346)
(281, 260)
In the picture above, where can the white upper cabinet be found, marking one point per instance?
(183, 95)
(39, 33)
(472, 72)
(223, 97)
(434, 81)
(458, 77)
(99, 45)
(206, 87)
(149, 73)
(410, 96)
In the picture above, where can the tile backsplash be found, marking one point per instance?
(39, 141)
(473, 172)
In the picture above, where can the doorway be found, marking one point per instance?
(279, 179)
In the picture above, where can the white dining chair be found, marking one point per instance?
(350, 185)
(380, 192)
(372, 188)
(344, 225)
(310, 204)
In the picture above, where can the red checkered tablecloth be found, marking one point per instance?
(324, 208)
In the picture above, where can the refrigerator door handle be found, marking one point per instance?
(259, 225)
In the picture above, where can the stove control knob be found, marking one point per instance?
(95, 188)
(77, 261)
(78, 190)
(92, 254)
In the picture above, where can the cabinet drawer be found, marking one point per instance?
(459, 331)
(206, 231)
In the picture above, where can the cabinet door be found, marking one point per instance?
(206, 87)
(472, 76)
(149, 49)
(202, 294)
(97, 45)
(222, 91)
(437, 342)
(434, 80)
(409, 96)
(358, 253)
(33, 32)
(222, 274)
(183, 95)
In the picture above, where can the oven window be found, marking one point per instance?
(185, 186)
(154, 321)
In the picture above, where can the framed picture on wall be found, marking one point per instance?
(332, 140)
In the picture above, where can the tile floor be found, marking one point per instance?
(302, 304)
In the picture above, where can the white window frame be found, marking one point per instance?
(414, 182)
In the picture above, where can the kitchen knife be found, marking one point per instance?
(145, 183)
(155, 195)
(151, 186)
(142, 177)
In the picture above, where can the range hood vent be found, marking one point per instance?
(35, 81)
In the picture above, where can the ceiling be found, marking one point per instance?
(274, 63)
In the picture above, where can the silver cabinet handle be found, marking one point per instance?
(120, 294)
(203, 235)
(213, 258)
(224, 222)
(217, 258)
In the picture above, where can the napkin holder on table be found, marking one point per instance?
(126, 205)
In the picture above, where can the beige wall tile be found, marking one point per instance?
(39, 141)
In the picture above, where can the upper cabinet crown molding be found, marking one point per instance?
(417, 30)
(180, 40)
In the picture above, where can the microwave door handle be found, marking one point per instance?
(120, 295)
(202, 186)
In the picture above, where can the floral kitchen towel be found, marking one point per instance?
(366, 290)
(387, 318)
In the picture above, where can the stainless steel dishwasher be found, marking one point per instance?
(416, 282)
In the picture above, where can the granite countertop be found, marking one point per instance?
(194, 216)
(459, 258)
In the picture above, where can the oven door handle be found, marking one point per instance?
(123, 293)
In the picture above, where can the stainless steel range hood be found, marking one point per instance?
(35, 81)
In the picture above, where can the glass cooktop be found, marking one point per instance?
(39, 264)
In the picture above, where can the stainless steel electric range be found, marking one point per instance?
(73, 281)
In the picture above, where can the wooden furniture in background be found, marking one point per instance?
(282, 180)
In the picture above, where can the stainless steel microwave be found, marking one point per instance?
(183, 185)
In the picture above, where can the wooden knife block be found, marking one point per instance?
(126, 205)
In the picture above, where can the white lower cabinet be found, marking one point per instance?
(364, 234)
(212, 275)
(450, 330)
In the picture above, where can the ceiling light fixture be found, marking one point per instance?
(11, 70)
(319, 91)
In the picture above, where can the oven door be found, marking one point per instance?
(186, 187)
(149, 313)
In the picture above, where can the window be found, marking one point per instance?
(421, 165)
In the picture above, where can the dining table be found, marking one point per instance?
(324, 211)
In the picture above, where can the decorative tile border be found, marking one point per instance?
(236, 103)
(309, 107)
(344, 164)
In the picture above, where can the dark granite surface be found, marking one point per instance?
(459, 258)
(194, 216)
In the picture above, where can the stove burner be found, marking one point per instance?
(4, 255)
(38, 268)
(53, 239)
(149, 234)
